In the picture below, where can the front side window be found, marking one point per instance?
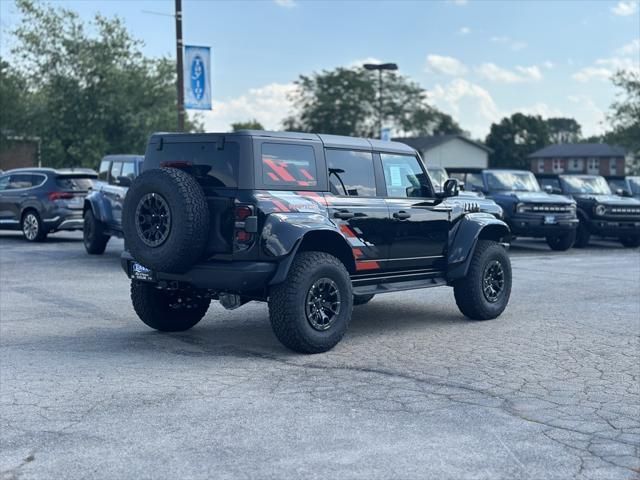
(591, 185)
(438, 176)
(473, 182)
(288, 166)
(116, 168)
(351, 173)
(518, 181)
(103, 173)
(634, 183)
(404, 176)
(550, 182)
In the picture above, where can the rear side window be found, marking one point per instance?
(103, 173)
(128, 170)
(403, 176)
(74, 183)
(351, 173)
(552, 182)
(288, 165)
(20, 181)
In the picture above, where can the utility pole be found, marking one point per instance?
(380, 68)
(179, 67)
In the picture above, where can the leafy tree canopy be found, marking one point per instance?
(89, 90)
(564, 130)
(344, 101)
(514, 138)
(252, 124)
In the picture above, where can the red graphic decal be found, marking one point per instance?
(280, 206)
(306, 174)
(279, 169)
(357, 252)
(347, 231)
(367, 265)
(273, 176)
(313, 196)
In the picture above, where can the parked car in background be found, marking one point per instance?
(528, 210)
(102, 208)
(40, 201)
(439, 176)
(600, 211)
(628, 186)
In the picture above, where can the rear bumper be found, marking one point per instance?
(614, 228)
(64, 219)
(535, 226)
(233, 277)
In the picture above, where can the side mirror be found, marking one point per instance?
(548, 188)
(450, 188)
(124, 181)
(621, 192)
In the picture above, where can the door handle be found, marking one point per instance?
(344, 214)
(401, 215)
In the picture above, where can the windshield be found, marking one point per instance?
(438, 175)
(634, 183)
(518, 181)
(593, 185)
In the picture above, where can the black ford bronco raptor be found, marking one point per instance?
(311, 224)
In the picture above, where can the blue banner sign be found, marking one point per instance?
(197, 77)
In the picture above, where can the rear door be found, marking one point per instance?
(356, 206)
(420, 223)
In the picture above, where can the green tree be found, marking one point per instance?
(514, 138)
(93, 93)
(344, 101)
(625, 116)
(564, 130)
(252, 124)
(15, 105)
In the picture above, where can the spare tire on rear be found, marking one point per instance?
(165, 220)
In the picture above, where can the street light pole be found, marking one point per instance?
(380, 67)
(179, 67)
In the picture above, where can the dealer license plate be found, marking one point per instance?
(550, 220)
(140, 272)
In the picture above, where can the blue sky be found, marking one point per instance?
(479, 60)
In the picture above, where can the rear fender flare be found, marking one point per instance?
(464, 238)
(283, 235)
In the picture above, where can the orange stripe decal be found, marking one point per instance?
(306, 174)
(279, 169)
(367, 265)
(347, 231)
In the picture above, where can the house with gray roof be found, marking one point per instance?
(589, 158)
(449, 151)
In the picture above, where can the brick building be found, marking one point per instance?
(18, 153)
(589, 158)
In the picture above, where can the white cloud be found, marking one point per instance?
(587, 74)
(445, 65)
(548, 65)
(464, 30)
(589, 115)
(631, 48)
(499, 39)
(286, 3)
(460, 2)
(625, 8)
(494, 73)
(268, 104)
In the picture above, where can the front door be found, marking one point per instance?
(355, 206)
(114, 195)
(420, 222)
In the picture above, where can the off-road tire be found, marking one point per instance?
(287, 303)
(582, 235)
(563, 242)
(153, 306)
(468, 291)
(189, 220)
(95, 240)
(630, 241)
(362, 299)
(40, 233)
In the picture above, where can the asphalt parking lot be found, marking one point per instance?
(549, 390)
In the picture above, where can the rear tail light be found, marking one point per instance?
(245, 226)
(53, 196)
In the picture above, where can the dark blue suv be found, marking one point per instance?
(39, 201)
(102, 210)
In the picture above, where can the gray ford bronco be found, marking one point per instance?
(311, 224)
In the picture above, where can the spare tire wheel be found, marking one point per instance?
(165, 220)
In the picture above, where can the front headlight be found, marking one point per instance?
(521, 208)
(600, 210)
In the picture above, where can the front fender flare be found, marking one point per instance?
(464, 237)
(98, 205)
